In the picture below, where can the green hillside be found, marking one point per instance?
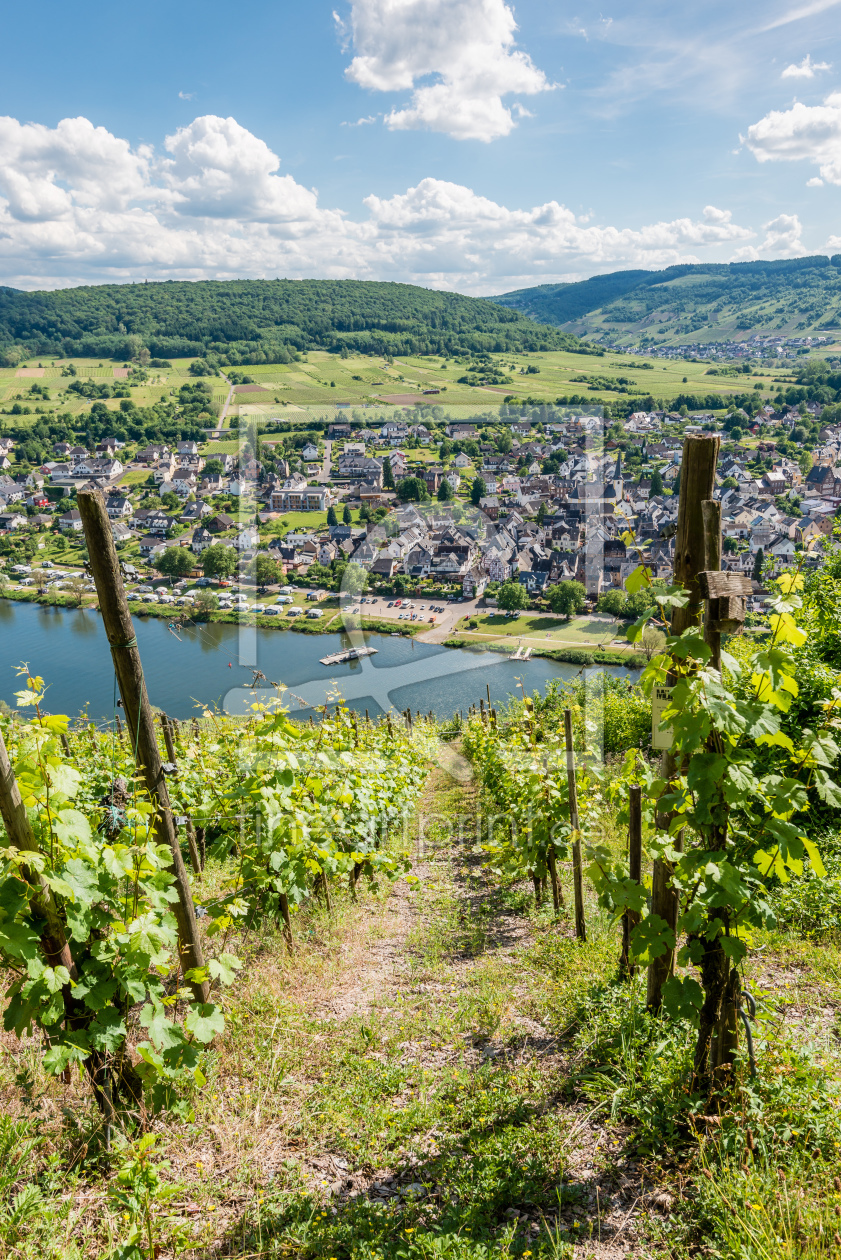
(702, 302)
(259, 321)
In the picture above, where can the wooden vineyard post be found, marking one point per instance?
(283, 913)
(711, 512)
(577, 874)
(170, 746)
(192, 845)
(697, 482)
(128, 668)
(725, 595)
(631, 918)
(557, 893)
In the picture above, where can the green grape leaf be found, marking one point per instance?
(224, 968)
(827, 789)
(637, 579)
(683, 998)
(107, 1031)
(162, 1032)
(652, 938)
(205, 1022)
(68, 1051)
(735, 948)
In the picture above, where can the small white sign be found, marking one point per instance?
(661, 698)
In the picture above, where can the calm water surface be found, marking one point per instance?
(214, 665)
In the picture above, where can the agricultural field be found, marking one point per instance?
(16, 387)
(559, 373)
(322, 382)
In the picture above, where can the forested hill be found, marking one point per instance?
(707, 301)
(264, 320)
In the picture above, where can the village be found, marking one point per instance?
(452, 509)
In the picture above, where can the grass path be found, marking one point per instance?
(418, 1101)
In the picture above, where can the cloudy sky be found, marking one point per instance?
(477, 145)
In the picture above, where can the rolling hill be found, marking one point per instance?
(693, 302)
(259, 321)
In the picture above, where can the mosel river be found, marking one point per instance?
(214, 665)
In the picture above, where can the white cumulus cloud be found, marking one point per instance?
(466, 47)
(805, 69)
(782, 240)
(78, 204)
(803, 133)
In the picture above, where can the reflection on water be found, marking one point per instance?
(84, 623)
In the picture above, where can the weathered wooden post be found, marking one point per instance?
(129, 670)
(631, 918)
(170, 746)
(697, 483)
(725, 595)
(577, 874)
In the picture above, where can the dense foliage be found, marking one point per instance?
(259, 321)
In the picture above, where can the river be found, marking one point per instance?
(213, 665)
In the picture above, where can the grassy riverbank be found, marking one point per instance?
(570, 656)
(332, 622)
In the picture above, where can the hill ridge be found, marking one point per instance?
(671, 305)
(255, 321)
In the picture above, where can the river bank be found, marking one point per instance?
(171, 613)
(570, 655)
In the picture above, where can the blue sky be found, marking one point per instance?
(477, 145)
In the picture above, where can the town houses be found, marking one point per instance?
(537, 496)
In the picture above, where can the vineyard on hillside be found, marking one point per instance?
(514, 984)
